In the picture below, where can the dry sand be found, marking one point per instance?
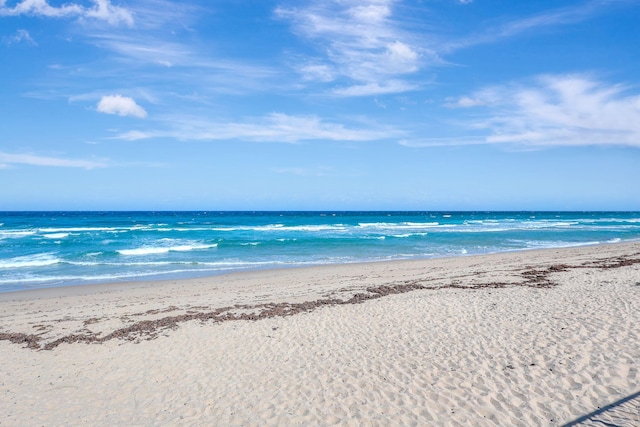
(530, 338)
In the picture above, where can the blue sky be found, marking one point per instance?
(323, 104)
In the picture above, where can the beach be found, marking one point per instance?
(526, 338)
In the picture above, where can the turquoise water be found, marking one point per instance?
(44, 249)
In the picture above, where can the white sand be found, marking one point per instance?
(539, 348)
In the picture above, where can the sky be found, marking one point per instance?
(319, 105)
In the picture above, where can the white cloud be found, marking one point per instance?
(20, 36)
(35, 160)
(102, 10)
(464, 102)
(275, 127)
(120, 105)
(40, 8)
(562, 110)
(402, 58)
(372, 12)
(370, 89)
(316, 72)
(360, 42)
(105, 11)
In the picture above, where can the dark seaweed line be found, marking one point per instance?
(149, 329)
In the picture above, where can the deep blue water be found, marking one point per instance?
(44, 249)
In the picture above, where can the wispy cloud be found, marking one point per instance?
(484, 97)
(120, 105)
(360, 43)
(153, 48)
(275, 127)
(376, 88)
(7, 159)
(365, 49)
(551, 18)
(557, 110)
(165, 14)
(102, 10)
(144, 48)
(20, 36)
(175, 62)
(159, 60)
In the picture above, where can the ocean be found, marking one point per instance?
(47, 249)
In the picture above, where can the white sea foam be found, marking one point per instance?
(153, 250)
(560, 224)
(56, 235)
(77, 229)
(400, 225)
(277, 227)
(262, 228)
(16, 234)
(316, 228)
(478, 226)
(29, 261)
(95, 278)
(407, 235)
(543, 244)
(420, 224)
(137, 227)
(143, 251)
(126, 264)
(271, 227)
(599, 220)
(242, 264)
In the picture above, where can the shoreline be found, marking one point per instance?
(539, 337)
(80, 249)
(91, 288)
